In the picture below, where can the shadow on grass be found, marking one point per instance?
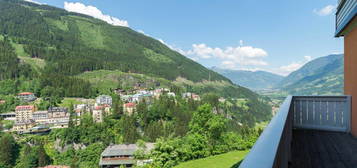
(237, 164)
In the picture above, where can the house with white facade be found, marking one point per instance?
(104, 100)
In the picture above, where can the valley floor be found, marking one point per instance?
(227, 160)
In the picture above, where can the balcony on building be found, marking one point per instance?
(308, 131)
(316, 131)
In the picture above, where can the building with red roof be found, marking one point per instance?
(26, 96)
(129, 108)
(24, 113)
(26, 93)
(55, 166)
(99, 111)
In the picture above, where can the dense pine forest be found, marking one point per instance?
(71, 43)
(57, 54)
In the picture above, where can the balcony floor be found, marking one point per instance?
(321, 149)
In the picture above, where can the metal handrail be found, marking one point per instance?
(266, 151)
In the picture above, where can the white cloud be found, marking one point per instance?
(287, 69)
(254, 69)
(94, 12)
(229, 65)
(290, 68)
(240, 55)
(142, 32)
(236, 58)
(336, 52)
(172, 47)
(327, 10)
(307, 58)
(168, 45)
(32, 1)
(194, 58)
(241, 42)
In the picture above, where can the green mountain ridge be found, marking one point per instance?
(72, 43)
(255, 80)
(322, 76)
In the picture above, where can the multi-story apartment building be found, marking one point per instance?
(129, 108)
(80, 109)
(40, 117)
(58, 117)
(23, 126)
(99, 112)
(24, 113)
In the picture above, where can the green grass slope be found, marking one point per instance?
(106, 81)
(227, 160)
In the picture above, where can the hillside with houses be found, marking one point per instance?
(126, 116)
(29, 119)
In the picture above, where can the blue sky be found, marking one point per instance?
(276, 35)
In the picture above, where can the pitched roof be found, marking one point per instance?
(98, 107)
(117, 162)
(104, 97)
(124, 149)
(129, 105)
(27, 107)
(25, 93)
(55, 166)
(40, 112)
(57, 109)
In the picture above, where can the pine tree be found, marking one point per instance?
(72, 117)
(8, 152)
(117, 110)
(74, 163)
(43, 158)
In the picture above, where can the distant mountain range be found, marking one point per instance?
(321, 76)
(255, 80)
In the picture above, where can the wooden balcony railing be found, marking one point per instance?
(331, 113)
(273, 147)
